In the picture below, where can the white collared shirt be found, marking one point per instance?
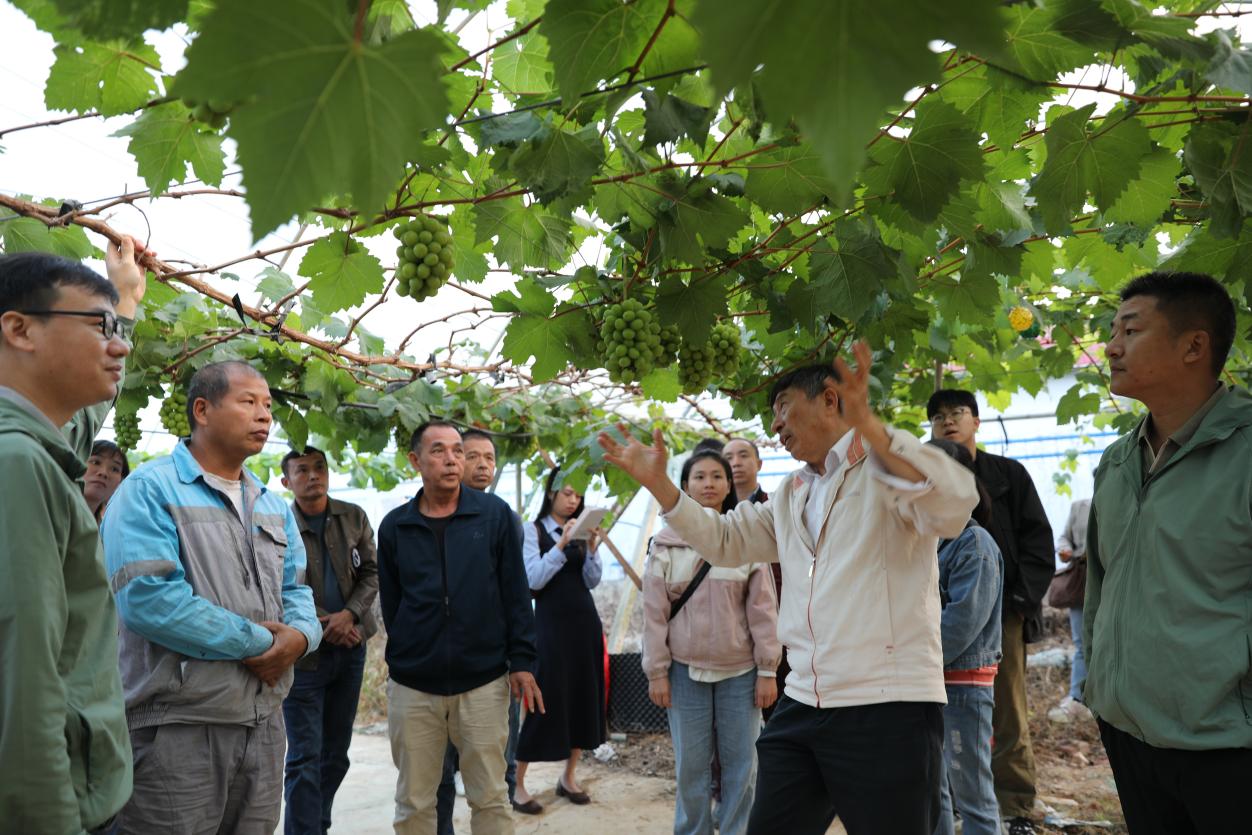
(820, 484)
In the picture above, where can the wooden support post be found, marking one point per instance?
(630, 572)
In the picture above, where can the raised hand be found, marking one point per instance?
(121, 262)
(853, 388)
(645, 464)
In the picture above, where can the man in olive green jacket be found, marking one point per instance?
(1168, 613)
(64, 749)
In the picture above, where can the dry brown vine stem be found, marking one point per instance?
(167, 274)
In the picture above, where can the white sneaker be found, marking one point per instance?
(460, 785)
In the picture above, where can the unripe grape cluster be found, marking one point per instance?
(213, 113)
(426, 257)
(126, 430)
(695, 367)
(671, 341)
(630, 341)
(174, 414)
(724, 340)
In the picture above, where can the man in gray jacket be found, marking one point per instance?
(207, 568)
(321, 707)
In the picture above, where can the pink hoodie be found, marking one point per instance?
(730, 623)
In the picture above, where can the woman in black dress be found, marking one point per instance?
(570, 643)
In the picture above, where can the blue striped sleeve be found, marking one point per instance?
(154, 599)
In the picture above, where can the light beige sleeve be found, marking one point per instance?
(744, 535)
(943, 503)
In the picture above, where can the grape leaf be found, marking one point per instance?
(120, 18)
(836, 68)
(111, 77)
(1074, 404)
(1103, 163)
(591, 39)
(341, 272)
(28, 234)
(693, 307)
(698, 223)
(1038, 51)
(532, 333)
(967, 298)
(925, 169)
(326, 114)
(522, 65)
(1231, 67)
(1148, 196)
(164, 139)
(667, 117)
(661, 384)
(856, 272)
(526, 236)
(1001, 104)
(1219, 154)
(560, 163)
(787, 180)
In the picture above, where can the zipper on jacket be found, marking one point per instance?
(812, 635)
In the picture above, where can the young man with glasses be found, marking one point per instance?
(1022, 531)
(64, 751)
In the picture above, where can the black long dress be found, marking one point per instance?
(571, 664)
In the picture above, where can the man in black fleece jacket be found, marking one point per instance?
(460, 635)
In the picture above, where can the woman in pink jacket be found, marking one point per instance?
(710, 657)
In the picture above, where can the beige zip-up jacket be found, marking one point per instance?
(730, 622)
(860, 605)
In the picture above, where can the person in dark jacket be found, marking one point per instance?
(1020, 527)
(320, 709)
(461, 635)
(971, 589)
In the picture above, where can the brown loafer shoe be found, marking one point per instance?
(577, 798)
(530, 807)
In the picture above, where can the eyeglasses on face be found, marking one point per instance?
(109, 324)
(953, 415)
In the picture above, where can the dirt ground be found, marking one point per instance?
(634, 792)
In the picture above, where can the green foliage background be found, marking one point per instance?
(810, 171)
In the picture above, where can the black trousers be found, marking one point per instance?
(1175, 792)
(876, 766)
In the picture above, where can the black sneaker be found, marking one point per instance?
(1020, 826)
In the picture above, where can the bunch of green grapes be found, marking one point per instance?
(126, 430)
(630, 341)
(695, 367)
(174, 414)
(213, 113)
(667, 351)
(426, 256)
(724, 340)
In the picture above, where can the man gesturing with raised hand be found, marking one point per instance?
(858, 730)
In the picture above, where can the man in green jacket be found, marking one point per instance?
(64, 749)
(1168, 614)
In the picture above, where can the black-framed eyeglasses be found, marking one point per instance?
(954, 415)
(110, 326)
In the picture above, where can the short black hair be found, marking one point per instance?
(810, 379)
(416, 440)
(950, 399)
(710, 444)
(475, 432)
(1191, 301)
(103, 447)
(32, 281)
(755, 449)
(295, 453)
(211, 382)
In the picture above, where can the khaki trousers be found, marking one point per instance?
(1012, 757)
(420, 725)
